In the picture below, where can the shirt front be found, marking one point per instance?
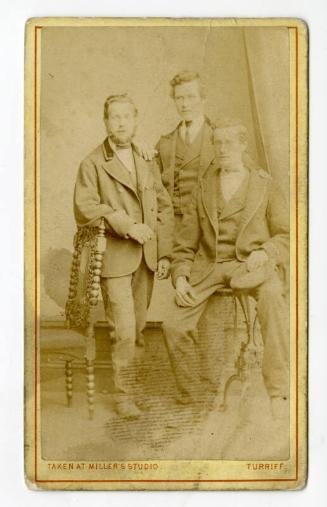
(230, 182)
(193, 128)
(126, 157)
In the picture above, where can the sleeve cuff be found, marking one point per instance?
(120, 222)
(180, 271)
(271, 250)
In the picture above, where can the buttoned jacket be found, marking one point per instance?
(166, 148)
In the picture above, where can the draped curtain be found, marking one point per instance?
(267, 60)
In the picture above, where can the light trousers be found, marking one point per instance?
(126, 299)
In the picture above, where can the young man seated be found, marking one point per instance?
(235, 234)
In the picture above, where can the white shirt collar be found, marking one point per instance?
(125, 155)
(194, 128)
(115, 148)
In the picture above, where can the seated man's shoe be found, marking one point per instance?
(252, 279)
(127, 409)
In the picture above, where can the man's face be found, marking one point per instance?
(229, 148)
(188, 100)
(121, 122)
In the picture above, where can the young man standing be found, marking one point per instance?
(186, 150)
(116, 183)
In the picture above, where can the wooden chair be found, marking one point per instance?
(84, 291)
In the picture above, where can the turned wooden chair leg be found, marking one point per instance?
(93, 293)
(69, 382)
(89, 246)
(90, 384)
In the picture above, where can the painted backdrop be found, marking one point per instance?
(246, 73)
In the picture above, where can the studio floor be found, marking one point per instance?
(246, 429)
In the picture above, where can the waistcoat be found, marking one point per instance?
(229, 218)
(187, 160)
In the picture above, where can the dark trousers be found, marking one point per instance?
(181, 337)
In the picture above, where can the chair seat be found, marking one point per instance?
(61, 340)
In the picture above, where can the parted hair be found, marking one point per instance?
(242, 131)
(236, 123)
(186, 76)
(122, 97)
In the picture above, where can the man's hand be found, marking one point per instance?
(184, 293)
(163, 268)
(144, 149)
(140, 233)
(256, 259)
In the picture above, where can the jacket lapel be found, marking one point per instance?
(168, 150)
(207, 150)
(202, 144)
(114, 167)
(237, 201)
(142, 171)
(167, 154)
(255, 195)
(192, 151)
(209, 186)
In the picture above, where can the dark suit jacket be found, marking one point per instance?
(103, 189)
(264, 225)
(166, 148)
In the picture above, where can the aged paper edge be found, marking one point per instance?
(174, 474)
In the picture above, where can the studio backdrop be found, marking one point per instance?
(246, 74)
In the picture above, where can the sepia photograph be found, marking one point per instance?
(165, 253)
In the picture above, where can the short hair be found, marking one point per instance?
(224, 123)
(186, 76)
(123, 97)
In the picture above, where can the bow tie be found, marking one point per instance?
(126, 146)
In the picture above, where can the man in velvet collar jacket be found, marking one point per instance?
(116, 183)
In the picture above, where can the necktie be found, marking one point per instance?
(187, 133)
